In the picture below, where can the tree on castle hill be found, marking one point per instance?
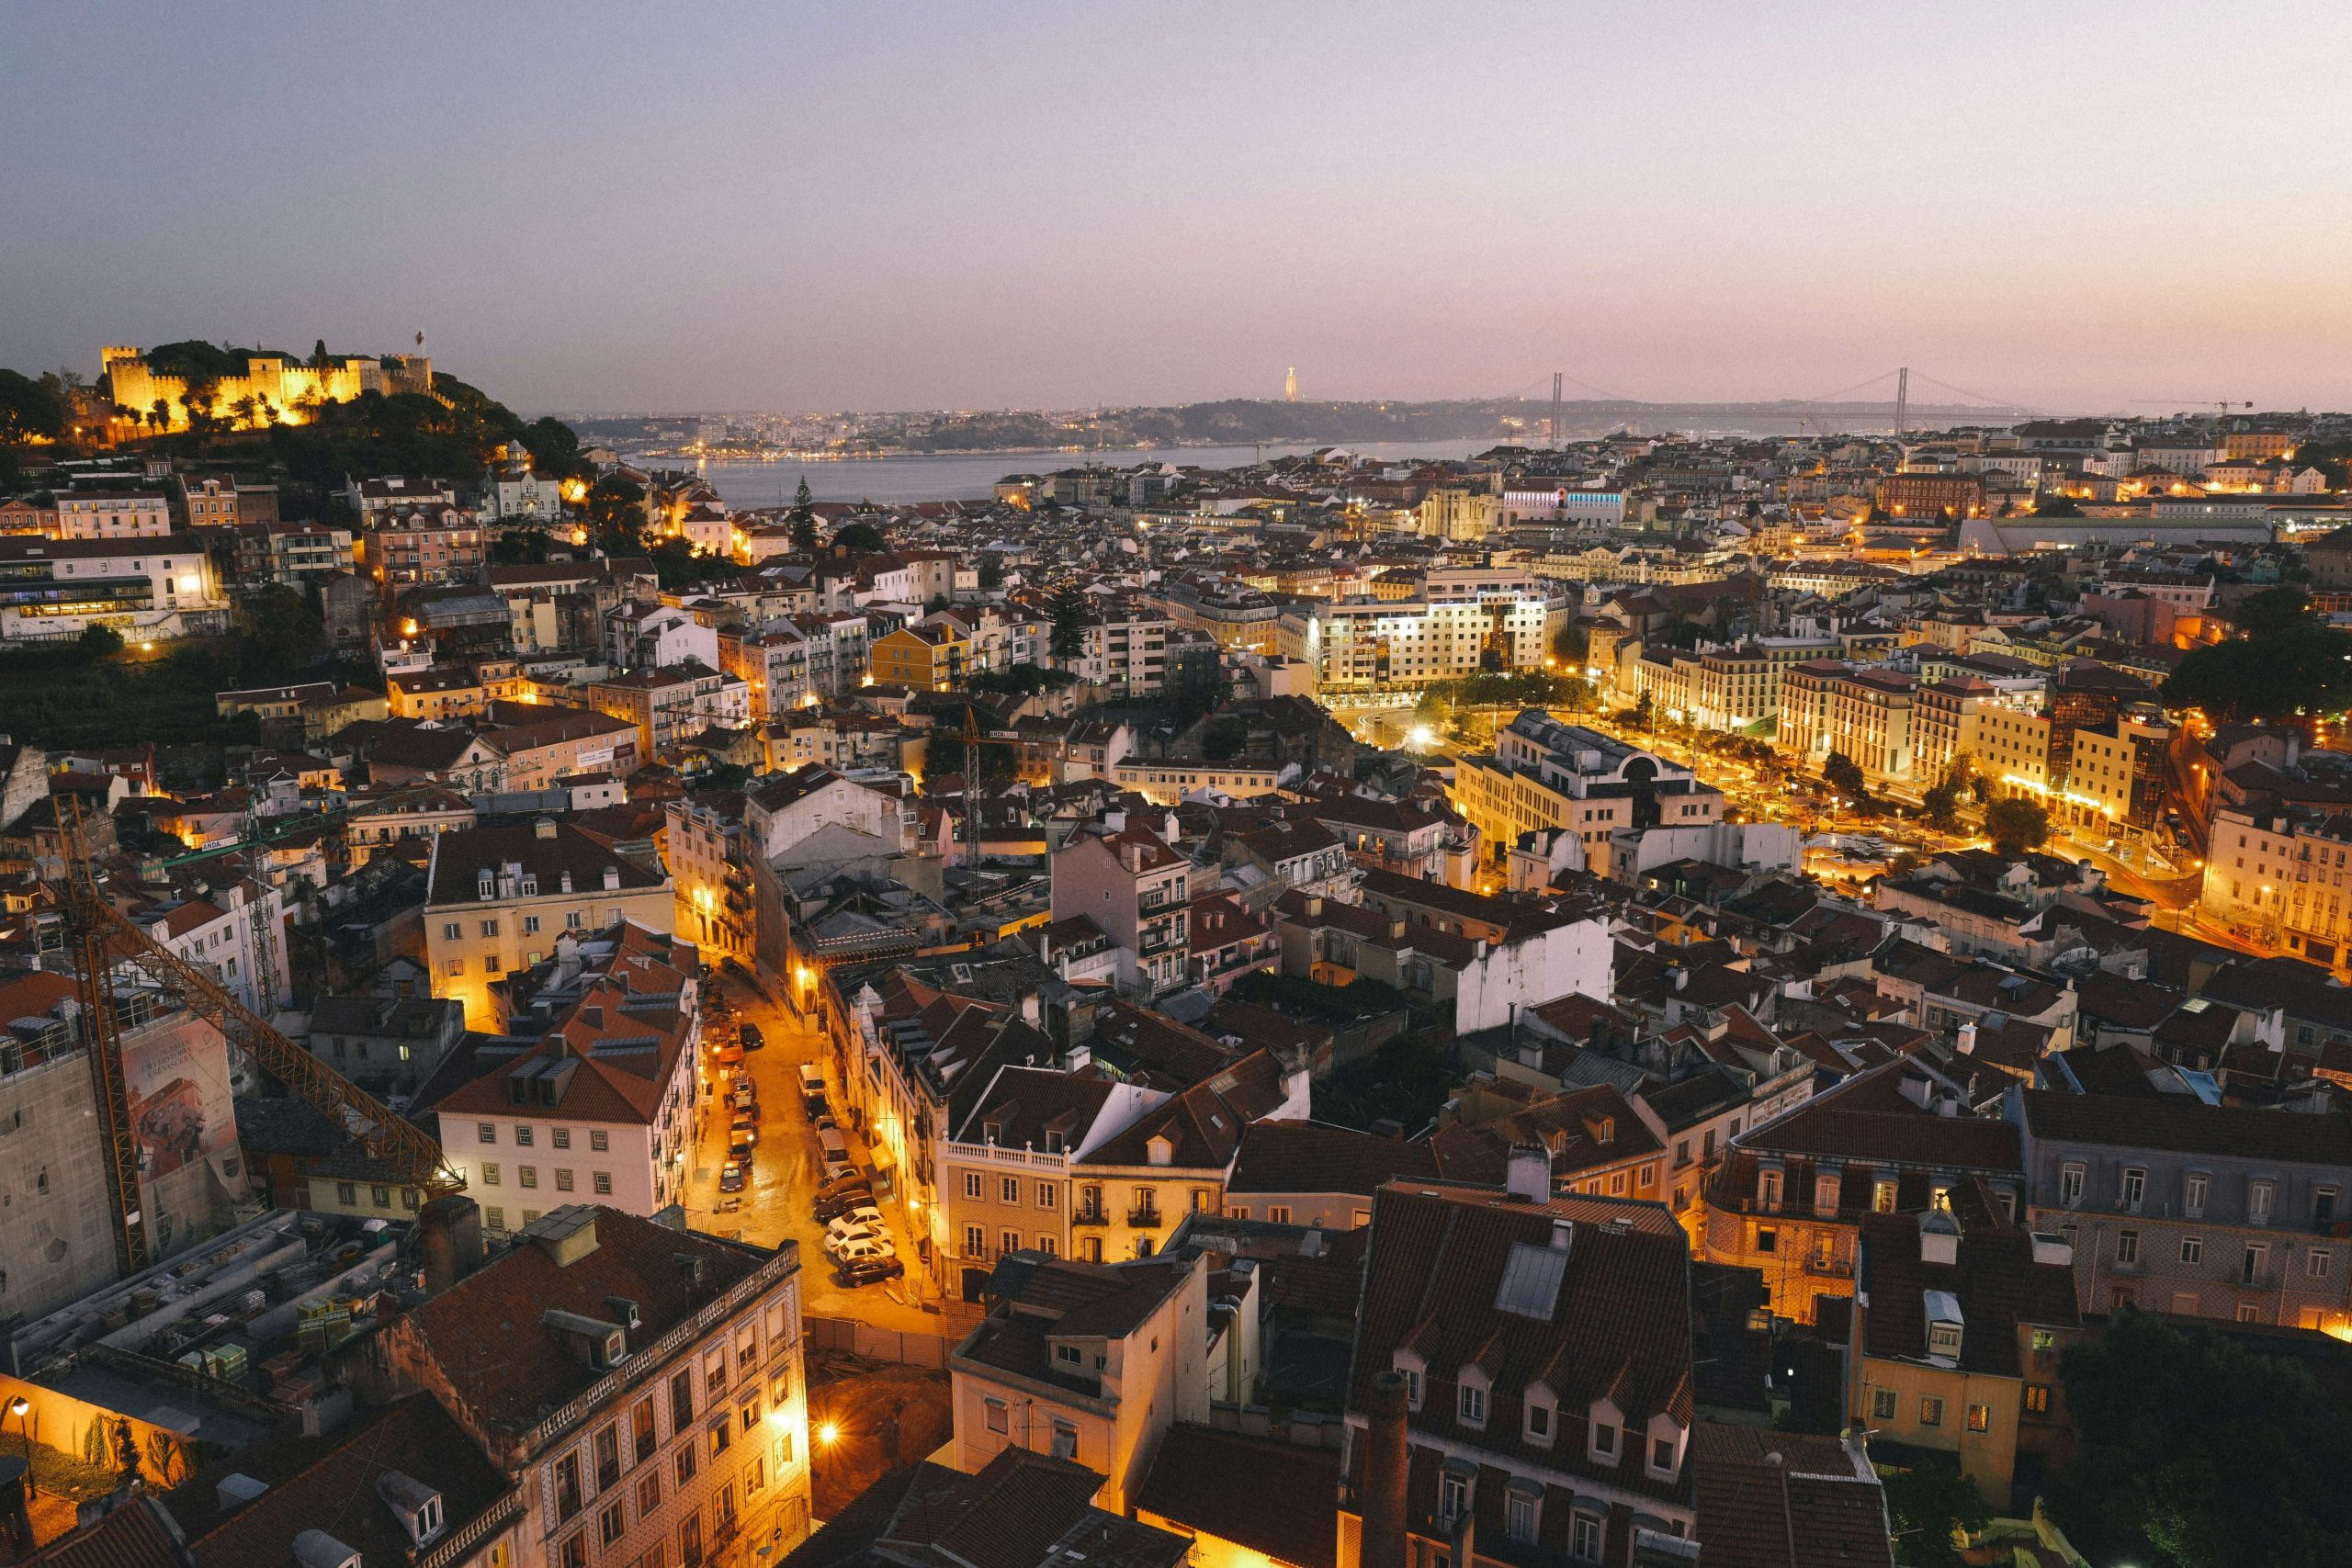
(2289, 663)
(616, 511)
(2016, 824)
(802, 518)
(30, 411)
(2195, 1449)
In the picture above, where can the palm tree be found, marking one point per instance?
(158, 413)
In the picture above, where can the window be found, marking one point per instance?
(1767, 1239)
(682, 1405)
(1412, 1387)
(486, 1133)
(1453, 1499)
(721, 1435)
(2317, 1262)
(1604, 1441)
(1009, 1190)
(600, 1141)
(1583, 1538)
(346, 1192)
(690, 1540)
(1518, 1517)
(1539, 1422)
(523, 1134)
(1882, 1405)
(1931, 1411)
(2136, 1187)
(1473, 1406)
(2127, 1246)
(568, 1498)
(453, 931)
(574, 1552)
(1048, 1195)
(606, 1446)
(528, 1174)
(489, 927)
(1882, 1197)
(714, 1370)
(2192, 1200)
(971, 1184)
(562, 1180)
(975, 1241)
(1012, 1240)
(1000, 1416)
(562, 1137)
(648, 1492)
(748, 1416)
(2257, 1203)
(2324, 1205)
(2257, 1254)
(1768, 1191)
(1065, 1440)
(641, 1421)
(530, 925)
(755, 1474)
(2070, 1185)
(611, 1524)
(2037, 1399)
(1979, 1417)
(1278, 1214)
(457, 966)
(2192, 1249)
(604, 1180)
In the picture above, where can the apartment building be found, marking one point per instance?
(407, 549)
(647, 1394)
(289, 554)
(1132, 886)
(212, 501)
(1959, 1318)
(933, 655)
(1125, 650)
(673, 705)
(1545, 774)
(797, 662)
(1084, 1361)
(560, 744)
(113, 514)
(498, 898)
(1521, 1383)
(1364, 644)
(2204, 1211)
(2117, 775)
(1789, 1196)
(235, 934)
(1829, 707)
(708, 853)
(588, 1092)
(147, 588)
(377, 499)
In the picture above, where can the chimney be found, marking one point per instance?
(543, 827)
(450, 1230)
(1563, 1232)
(1528, 1177)
(1938, 1238)
(1381, 1489)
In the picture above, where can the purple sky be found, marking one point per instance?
(874, 206)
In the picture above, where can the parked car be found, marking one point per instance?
(858, 1271)
(827, 1210)
(741, 1131)
(836, 1243)
(751, 1037)
(745, 1096)
(850, 1183)
(730, 1178)
(730, 1055)
(861, 1249)
(865, 1216)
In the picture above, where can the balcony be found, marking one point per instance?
(1143, 1219)
(1090, 1216)
(1830, 1268)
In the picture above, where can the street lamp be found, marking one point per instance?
(21, 1408)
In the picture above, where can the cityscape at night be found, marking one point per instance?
(1036, 786)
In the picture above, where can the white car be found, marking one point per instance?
(863, 1247)
(865, 1215)
(836, 1239)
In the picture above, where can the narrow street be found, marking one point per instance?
(784, 1168)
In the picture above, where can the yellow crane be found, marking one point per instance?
(103, 937)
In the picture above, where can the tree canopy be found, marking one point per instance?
(861, 537)
(2016, 824)
(2288, 663)
(802, 518)
(2195, 1451)
(30, 410)
(1844, 776)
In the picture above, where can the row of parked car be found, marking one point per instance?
(856, 1239)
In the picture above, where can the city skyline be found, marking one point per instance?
(1046, 208)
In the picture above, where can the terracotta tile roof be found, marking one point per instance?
(135, 1535)
(1314, 1157)
(1570, 1125)
(1618, 1325)
(1277, 1499)
(1868, 1117)
(1771, 1499)
(2182, 1124)
(484, 1332)
(461, 855)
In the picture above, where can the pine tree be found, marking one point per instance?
(803, 518)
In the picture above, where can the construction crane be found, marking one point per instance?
(973, 741)
(2221, 406)
(102, 936)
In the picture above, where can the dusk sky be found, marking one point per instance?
(855, 207)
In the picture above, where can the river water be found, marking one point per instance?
(973, 475)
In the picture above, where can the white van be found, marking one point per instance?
(834, 1149)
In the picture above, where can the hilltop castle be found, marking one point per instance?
(271, 381)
